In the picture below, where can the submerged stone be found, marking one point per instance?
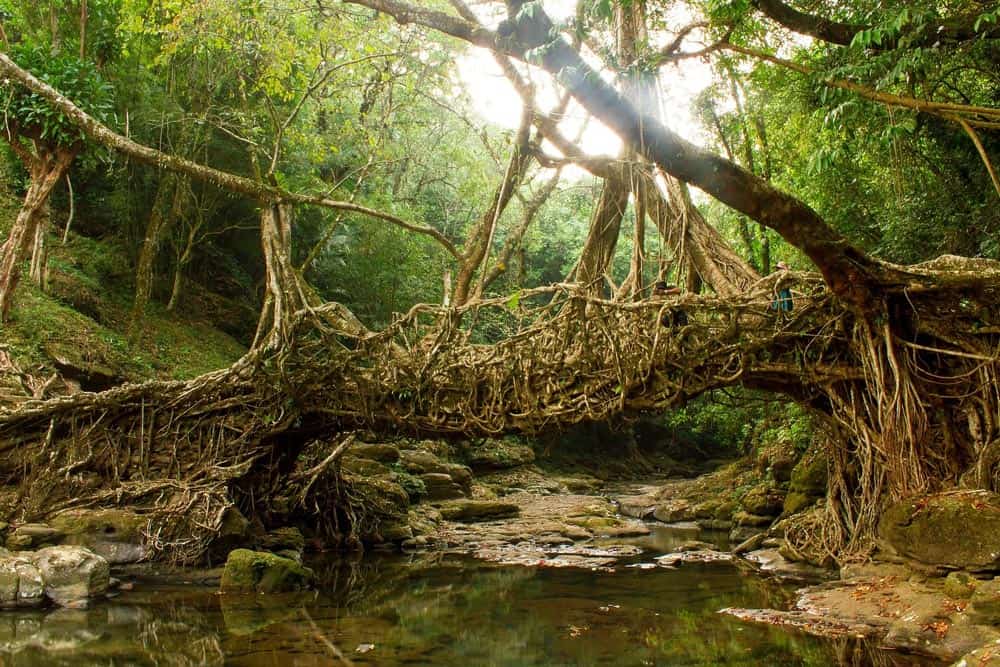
(249, 571)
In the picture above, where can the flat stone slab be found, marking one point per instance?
(696, 556)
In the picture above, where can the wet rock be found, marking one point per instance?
(675, 510)
(234, 532)
(984, 607)
(29, 536)
(287, 542)
(499, 454)
(478, 510)
(116, 535)
(71, 573)
(695, 556)
(21, 583)
(440, 486)
(581, 484)
(376, 452)
(955, 530)
(418, 462)
(960, 585)
(396, 532)
(637, 507)
(741, 534)
(985, 656)
(262, 572)
(695, 545)
(754, 520)
(715, 524)
(751, 544)
(762, 501)
(874, 570)
(773, 562)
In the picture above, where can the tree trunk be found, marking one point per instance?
(602, 237)
(45, 171)
(173, 187)
(477, 247)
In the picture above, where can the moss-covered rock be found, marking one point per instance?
(286, 539)
(762, 500)
(116, 535)
(809, 477)
(955, 530)
(29, 536)
(376, 452)
(499, 454)
(478, 510)
(985, 656)
(249, 571)
(960, 585)
(364, 467)
(795, 502)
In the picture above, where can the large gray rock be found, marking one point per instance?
(21, 583)
(954, 530)
(71, 573)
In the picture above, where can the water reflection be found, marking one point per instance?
(433, 610)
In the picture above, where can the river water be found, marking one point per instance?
(432, 610)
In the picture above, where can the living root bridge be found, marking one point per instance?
(914, 404)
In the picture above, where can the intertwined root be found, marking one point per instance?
(253, 434)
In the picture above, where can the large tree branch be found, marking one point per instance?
(850, 273)
(107, 137)
(956, 29)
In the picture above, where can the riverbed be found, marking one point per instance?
(433, 609)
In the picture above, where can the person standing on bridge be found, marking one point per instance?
(783, 303)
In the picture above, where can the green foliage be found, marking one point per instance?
(75, 78)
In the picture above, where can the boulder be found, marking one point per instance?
(499, 454)
(675, 510)
(21, 583)
(469, 511)
(418, 462)
(795, 502)
(71, 573)
(440, 486)
(287, 542)
(249, 571)
(953, 530)
(762, 500)
(29, 536)
(740, 534)
(117, 536)
(376, 452)
(960, 585)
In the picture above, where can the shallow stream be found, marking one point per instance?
(432, 610)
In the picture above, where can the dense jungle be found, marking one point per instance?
(522, 332)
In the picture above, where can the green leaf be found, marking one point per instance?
(514, 300)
